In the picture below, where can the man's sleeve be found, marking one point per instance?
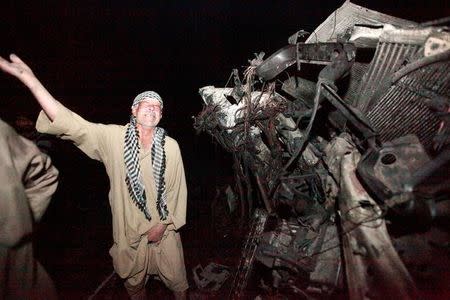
(39, 176)
(178, 196)
(87, 136)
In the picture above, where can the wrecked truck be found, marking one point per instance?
(340, 142)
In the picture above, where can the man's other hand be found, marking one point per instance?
(156, 233)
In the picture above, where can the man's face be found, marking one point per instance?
(148, 112)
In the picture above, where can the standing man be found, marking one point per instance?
(27, 182)
(147, 182)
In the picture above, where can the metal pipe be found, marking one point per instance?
(264, 194)
(425, 61)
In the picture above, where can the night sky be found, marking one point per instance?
(95, 56)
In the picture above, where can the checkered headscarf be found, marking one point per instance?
(148, 94)
(133, 177)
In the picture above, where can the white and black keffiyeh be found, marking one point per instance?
(134, 176)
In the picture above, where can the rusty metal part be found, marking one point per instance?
(403, 109)
(350, 113)
(300, 88)
(349, 14)
(373, 267)
(436, 43)
(245, 265)
(386, 171)
(210, 278)
(324, 53)
(238, 179)
(277, 62)
(299, 148)
(342, 57)
(263, 191)
(427, 169)
(319, 53)
(387, 59)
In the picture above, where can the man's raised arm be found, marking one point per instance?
(16, 67)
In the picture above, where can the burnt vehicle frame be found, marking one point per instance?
(332, 138)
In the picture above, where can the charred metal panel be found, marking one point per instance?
(387, 59)
(346, 16)
(355, 80)
(403, 109)
(372, 265)
(387, 171)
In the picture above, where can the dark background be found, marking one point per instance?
(95, 56)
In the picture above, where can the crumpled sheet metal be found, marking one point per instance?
(346, 17)
(231, 112)
(329, 265)
(373, 266)
(291, 136)
(335, 151)
(437, 43)
(212, 277)
(362, 34)
(218, 96)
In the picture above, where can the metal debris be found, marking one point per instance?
(212, 277)
(334, 154)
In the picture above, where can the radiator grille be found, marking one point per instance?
(387, 59)
(402, 110)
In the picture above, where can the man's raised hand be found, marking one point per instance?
(16, 67)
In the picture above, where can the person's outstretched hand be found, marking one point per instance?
(16, 67)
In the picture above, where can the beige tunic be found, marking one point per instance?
(106, 143)
(27, 181)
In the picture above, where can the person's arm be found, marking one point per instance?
(28, 181)
(177, 194)
(57, 119)
(17, 68)
(39, 176)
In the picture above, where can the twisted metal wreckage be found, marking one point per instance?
(331, 138)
